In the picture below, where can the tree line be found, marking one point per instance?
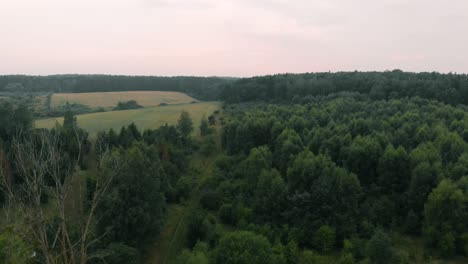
(203, 88)
(449, 88)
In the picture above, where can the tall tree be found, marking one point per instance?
(242, 247)
(380, 249)
(135, 206)
(446, 211)
(46, 171)
(69, 120)
(185, 124)
(204, 127)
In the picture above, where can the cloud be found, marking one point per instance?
(181, 4)
(231, 37)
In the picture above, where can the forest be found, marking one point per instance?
(349, 167)
(203, 88)
(448, 88)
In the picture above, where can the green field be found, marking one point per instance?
(145, 118)
(110, 99)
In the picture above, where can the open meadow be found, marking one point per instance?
(110, 99)
(145, 118)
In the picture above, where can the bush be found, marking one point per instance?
(325, 238)
(309, 257)
(226, 214)
(127, 105)
(208, 145)
(243, 247)
(380, 249)
(13, 249)
(184, 187)
(346, 258)
(76, 108)
(201, 227)
(233, 214)
(447, 244)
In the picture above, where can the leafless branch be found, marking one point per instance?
(40, 162)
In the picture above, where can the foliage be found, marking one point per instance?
(380, 249)
(448, 88)
(127, 105)
(13, 249)
(203, 88)
(185, 124)
(199, 255)
(208, 145)
(348, 164)
(446, 211)
(73, 107)
(14, 119)
(328, 162)
(201, 227)
(135, 206)
(325, 238)
(243, 247)
(204, 127)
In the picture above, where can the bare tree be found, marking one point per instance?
(40, 162)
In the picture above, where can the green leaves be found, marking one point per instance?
(446, 212)
(243, 247)
(135, 207)
(185, 124)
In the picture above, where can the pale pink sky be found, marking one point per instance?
(231, 37)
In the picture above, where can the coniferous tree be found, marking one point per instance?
(185, 124)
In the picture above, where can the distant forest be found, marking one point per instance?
(448, 88)
(203, 88)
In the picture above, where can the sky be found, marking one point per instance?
(231, 37)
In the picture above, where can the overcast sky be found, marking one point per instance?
(231, 37)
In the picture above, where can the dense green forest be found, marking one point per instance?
(448, 88)
(125, 179)
(203, 88)
(309, 168)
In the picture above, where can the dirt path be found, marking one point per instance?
(162, 248)
(172, 237)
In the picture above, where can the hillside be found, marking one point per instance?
(110, 99)
(145, 118)
(201, 88)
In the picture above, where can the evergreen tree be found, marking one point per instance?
(204, 128)
(185, 124)
(69, 120)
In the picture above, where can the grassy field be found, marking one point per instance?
(145, 118)
(110, 99)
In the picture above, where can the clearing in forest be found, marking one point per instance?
(110, 99)
(144, 118)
